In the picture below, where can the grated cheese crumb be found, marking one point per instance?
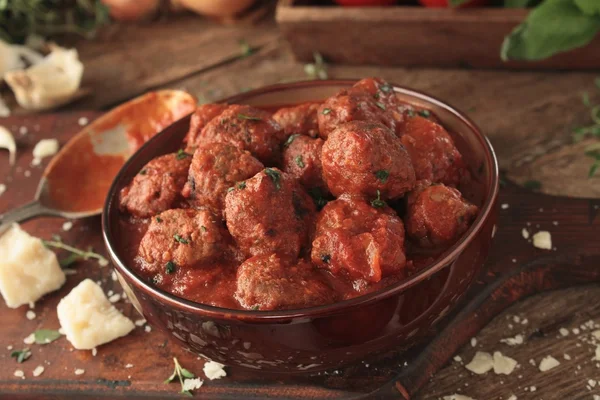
(147, 328)
(192, 384)
(67, 226)
(83, 121)
(596, 334)
(38, 370)
(94, 351)
(2, 188)
(214, 370)
(30, 315)
(566, 356)
(9, 347)
(458, 397)
(512, 397)
(79, 371)
(481, 363)
(592, 383)
(517, 340)
(542, 240)
(140, 322)
(29, 339)
(525, 233)
(597, 353)
(548, 363)
(503, 365)
(113, 276)
(504, 206)
(473, 342)
(19, 373)
(576, 331)
(129, 366)
(532, 389)
(457, 358)
(564, 331)
(114, 298)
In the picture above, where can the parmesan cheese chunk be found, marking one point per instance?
(542, 240)
(503, 365)
(548, 363)
(28, 270)
(481, 363)
(89, 319)
(214, 370)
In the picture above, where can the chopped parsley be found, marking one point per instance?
(299, 161)
(241, 185)
(256, 307)
(180, 239)
(143, 172)
(410, 113)
(45, 336)
(249, 117)
(180, 373)
(245, 48)
(326, 258)
(230, 189)
(380, 105)
(203, 228)
(317, 197)
(290, 139)
(170, 267)
(378, 203)
(182, 154)
(326, 111)
(68, 260)
(382, 175)
(159, 220)
(385, 88)
(21, 355)
(424, 113)
(275, 177)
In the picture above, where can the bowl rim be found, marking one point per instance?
(282, 316)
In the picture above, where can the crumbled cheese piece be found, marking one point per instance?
(114, 298)
(45, 148)
(532, 389)
(596, 334)
(481, 363)
(94, 351)
(129, 366)
(79, 371)
(19, 373)
(89, 319)
(513, 341)
(548, 363)
(192, 384)
(504, 206)
(516, 319)
(38, 370)
(473, 342)
(592, 383)
(30, 315)
(147, 328)
(458, 397)
(113, 276)
(457, 358)
(9, 347)
(542, 240)
(214, 370)
(503, 365)
(29, 339)
(566, 356)
(524, 321)
(576, 331)
(564, 331)
(597, 353)
(28, 270)
(596, 397)
(525, 233)
(532, 362)
(2, 188)
(512, 397)
(27, 174)
(140, 322)
(83, 121)
(23, 130)
(67, 226)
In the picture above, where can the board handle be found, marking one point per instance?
(547, 273)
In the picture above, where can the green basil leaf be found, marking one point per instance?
(552, 27)
(589, 7)
(186, 374)
(45, 336)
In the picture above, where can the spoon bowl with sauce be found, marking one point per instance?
(76, 181)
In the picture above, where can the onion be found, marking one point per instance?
(131, 10)
(216, 8)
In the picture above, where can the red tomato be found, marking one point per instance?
(446, 3)
(365, 3)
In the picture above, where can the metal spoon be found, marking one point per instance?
(75, 183)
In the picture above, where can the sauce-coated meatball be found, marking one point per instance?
(359, 241)
(302, 160)
(182, 238)
(437, 215)
(271, 213)
(300, 119)
(268, 282)
(215, 168)
(381, 91)
(157, 186)
(366, 158)
(247, 128)
(432, 151)
(202, 116)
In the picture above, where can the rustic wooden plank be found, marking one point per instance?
(528, 116)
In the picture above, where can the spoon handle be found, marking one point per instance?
(20, 214)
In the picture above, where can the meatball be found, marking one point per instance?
(247, 128)
(215, 168)
(202, 116)
(358, 240)
(366, 158)
(302, 160)
(268, 282)
(432, 151)
(271, 213)
(352, 105)
(157, 186)
(437, 215)
(301, 119)
(380, 90)
(182, 238)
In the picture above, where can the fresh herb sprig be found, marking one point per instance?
(318, 69)
(21, 355)
(180, 373)
(45, 336)
(76, 254)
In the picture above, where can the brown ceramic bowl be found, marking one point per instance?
(329, 336)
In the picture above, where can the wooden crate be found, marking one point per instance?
(413, 36)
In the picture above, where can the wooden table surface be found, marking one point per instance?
(528, 116)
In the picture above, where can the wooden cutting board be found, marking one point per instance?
(135, 366)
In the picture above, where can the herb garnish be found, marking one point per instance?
(180, 373)
(159, 220)
(299, 161)
(241, 185)
(249, 117)
(142, 172)
(290, 139)
(411, 113)
(581, 133)
(380, 105)
(382, 175)
(203, 228)
(45, 336)
(378, 203)
(68, 260)
(182, 154)
(170, 267)
(424, 113)
(385, 88)
(275, 177)
(230, 189)
(80, 254)
(180, 239)
(245, 48)
(21, 355)
(532, 185)
(326, 258)
(317, 196)
(326, 111)
(318, 69)
(256, 307)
